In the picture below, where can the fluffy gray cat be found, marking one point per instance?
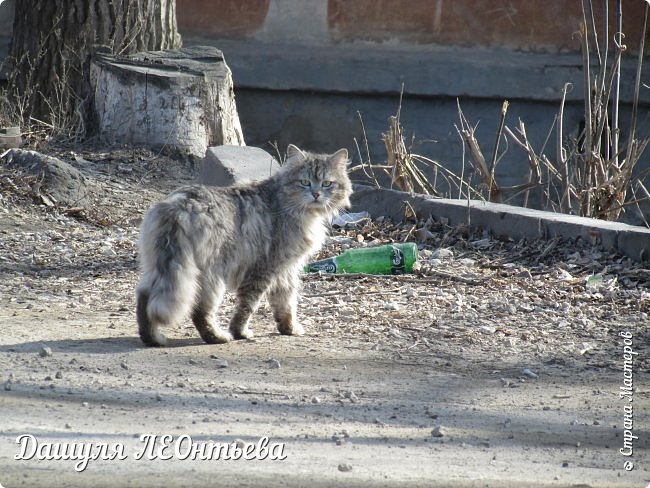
(252, 239)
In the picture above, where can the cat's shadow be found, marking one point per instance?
(100, 345)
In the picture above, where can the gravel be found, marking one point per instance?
(525, 299)
(388, 355)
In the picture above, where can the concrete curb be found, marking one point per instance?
(506, 220)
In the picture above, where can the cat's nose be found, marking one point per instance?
(315, 194)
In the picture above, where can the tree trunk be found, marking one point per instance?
(53, 41)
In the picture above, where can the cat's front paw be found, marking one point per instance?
(155, 338)
(294, 328)
(216, 336)
(245, 333)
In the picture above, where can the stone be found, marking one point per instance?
(45, 352)
(107, 250)
(529, 374)
(220, 362)
(350, 395)
(411, 293)
(58, 180)
(442, 254)
(10, 137)
(394, 306)
(228, 165)
(438, 431)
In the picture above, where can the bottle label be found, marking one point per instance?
(325, 266)
(397, 261)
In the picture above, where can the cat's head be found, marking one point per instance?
(317, 182)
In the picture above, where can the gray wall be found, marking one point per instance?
(310, 96)
(327, 121)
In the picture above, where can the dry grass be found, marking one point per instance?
(591, 175)
(406, 170)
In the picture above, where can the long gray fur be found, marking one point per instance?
(253, 239)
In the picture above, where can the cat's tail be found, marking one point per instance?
(168, 286)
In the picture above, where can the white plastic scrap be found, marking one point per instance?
(349, 219)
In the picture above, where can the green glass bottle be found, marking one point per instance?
(386, 259)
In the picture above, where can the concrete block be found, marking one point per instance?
(229, 165)
(634, 242)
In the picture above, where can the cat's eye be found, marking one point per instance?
(326, 183)
(305, 182)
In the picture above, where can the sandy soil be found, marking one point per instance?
(488, 369)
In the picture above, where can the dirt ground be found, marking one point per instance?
(498, 364)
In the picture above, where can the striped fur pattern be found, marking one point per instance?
(252, 239)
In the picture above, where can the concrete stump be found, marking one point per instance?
(180, 99)
(231, 165)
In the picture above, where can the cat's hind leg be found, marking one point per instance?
(149, 329)
(168, 286)
(203, 315)
(164, 296)
(283, 297)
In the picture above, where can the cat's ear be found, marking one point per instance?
(294, 155)
(340, 159)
